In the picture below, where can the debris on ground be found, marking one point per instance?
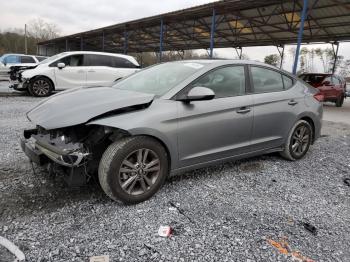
(347, 181)
(312, 229)
(12, 248)
(283, 247)
(164, 231)
(104, 258)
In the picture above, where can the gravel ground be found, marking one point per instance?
(251, 210)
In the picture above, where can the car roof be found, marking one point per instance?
(97, 53)
(219, 62)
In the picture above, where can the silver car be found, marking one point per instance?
(170, 118)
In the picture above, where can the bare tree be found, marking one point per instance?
(42, 30)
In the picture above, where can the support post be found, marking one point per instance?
(103, 40)
(300, 36)
(66, 44)
(239, 53)
(81, 43)
(161, 41)
(25, 39)
(212, 33)
(125, 42)
(335, 53)
(281, 54)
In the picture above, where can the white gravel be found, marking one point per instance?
(230, 212)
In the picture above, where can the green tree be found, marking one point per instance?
(273, 59)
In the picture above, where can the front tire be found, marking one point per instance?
(133, 169)
(340, 101)
(40, 87)
(298, 142)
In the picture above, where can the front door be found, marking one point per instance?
(73, 74)
(218, 128)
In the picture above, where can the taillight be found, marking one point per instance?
(319, 97)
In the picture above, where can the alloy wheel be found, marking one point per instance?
(41, 87)
(300, 140)
(139, 171)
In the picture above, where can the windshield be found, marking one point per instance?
(52, 58)
(159, 79)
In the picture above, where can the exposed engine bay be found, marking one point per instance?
(16, 80)
(73, 152)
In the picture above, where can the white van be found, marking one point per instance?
(74, 69)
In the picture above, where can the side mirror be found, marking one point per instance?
(198, 93)
(327, 83)
(61, 65)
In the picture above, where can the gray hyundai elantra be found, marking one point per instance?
(170, 118)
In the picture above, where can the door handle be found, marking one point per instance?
(91, 71)
(80, 71)
(292, 102)
(243, 110)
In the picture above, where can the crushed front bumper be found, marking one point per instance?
(18, 85)
(42, 148)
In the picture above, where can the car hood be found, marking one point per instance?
(79, 105)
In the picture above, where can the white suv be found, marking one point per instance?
(8, 60)
(74, 69)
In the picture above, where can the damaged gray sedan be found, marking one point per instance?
(170, 118)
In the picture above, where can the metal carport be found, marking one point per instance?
(222, 24)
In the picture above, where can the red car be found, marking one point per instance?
(332, 87)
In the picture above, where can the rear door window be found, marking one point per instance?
(27, 60)
(98, 60)
(266, 80)
(287, 82)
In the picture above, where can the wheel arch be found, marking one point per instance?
(43, 76)
(119, 132)
(312, 124)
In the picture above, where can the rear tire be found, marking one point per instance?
(40, 87)
(133, 169)
(340, 101)
(298, 142)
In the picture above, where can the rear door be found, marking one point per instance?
(104, 70)
(73, 74)
(218, 128)
(276, 106)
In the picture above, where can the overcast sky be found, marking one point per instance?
(73, 16)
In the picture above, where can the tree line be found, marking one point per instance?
(13, 40)
(308, 57)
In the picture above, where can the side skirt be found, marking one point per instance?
(227, 159)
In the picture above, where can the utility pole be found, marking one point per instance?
(25, 39)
